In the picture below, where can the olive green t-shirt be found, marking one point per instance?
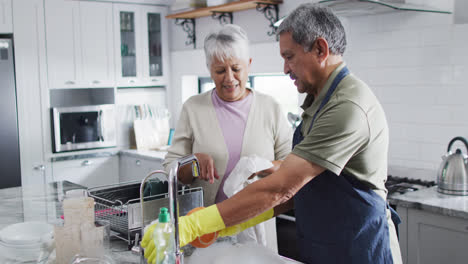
(349, 134)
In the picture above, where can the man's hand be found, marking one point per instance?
(203, 221)
(207, 169)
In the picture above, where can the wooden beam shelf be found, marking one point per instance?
(226, 8)
(224, 14)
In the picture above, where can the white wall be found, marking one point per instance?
(415, 62)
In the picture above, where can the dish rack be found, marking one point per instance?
(120, 205)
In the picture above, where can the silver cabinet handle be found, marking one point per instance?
(131, 81)
(154, 80)
(287, 217)
(96, 82)
(86, 163)
(69, 82)
(138, 162)
(99, 120)
(39, 167)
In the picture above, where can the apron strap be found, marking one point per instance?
(298, 136)
(343, 73)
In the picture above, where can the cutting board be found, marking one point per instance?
(151, 134)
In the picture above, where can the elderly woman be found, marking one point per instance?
(230, 121)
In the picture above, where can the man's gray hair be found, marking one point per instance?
(309, 22)
(230, 41)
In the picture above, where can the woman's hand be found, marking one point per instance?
(207, 169)
(266, 172)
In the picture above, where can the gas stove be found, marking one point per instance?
(400, 185)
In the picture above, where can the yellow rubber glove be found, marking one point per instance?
(204, 221)
(235, 229)
(148, 244)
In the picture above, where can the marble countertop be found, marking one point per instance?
(44, 203)
(430, 200)
(144, 154)
(33, 203)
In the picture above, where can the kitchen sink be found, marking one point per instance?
(227, 252)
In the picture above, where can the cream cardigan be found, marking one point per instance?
(267, 135)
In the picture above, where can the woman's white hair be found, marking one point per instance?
(230, 41)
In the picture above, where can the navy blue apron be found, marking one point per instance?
(339, 219)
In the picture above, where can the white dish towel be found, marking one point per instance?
(238, 180)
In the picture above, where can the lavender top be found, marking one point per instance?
(232, 118)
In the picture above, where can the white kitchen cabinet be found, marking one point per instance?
(433, 238)
(89, 172)
(63, 58)
(135, 169)
(79, 44)
(403, 232)
(31, 89)
(97, 32)
(6, 20)
(141, 45)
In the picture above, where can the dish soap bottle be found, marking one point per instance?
(163, 237)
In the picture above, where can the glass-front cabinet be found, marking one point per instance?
(154, 44)
(127, 44)
(143, 45)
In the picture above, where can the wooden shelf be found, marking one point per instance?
(226, 8)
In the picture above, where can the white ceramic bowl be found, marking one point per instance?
(28, 241)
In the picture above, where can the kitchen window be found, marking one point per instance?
(279, 86)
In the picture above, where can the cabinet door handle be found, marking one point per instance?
(154, 80)
(138, 162)
(39, 167)
(96, 82)
(131, 81)
(101, 137)
(69, 82)
(86, 163)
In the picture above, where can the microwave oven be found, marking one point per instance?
(83, 127)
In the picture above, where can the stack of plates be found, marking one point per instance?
(28, 242)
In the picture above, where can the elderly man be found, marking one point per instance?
(335, 175)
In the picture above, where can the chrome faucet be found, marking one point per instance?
(173, 204)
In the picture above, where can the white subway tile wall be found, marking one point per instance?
(417, 64)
